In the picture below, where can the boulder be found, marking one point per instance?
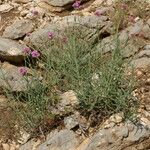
(11, 79)
(11, 50)
(84, 27)
(56, 140)
(118, 137)
(129, 41)
(18, 29)
(59, 3)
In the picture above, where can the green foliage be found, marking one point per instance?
(99, 81)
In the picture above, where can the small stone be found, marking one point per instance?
(139, 73)
(5, 8)
(117, 118)
(69, 99)
(70, 122)
(24, 137)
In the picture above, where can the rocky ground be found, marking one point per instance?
(25, 23)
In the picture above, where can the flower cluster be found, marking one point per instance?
(34, 53)
(51, 35)
(77, 4)
(22, 71)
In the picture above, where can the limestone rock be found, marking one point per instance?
(18, 29)
(85, 27)
(70, 122)
(11, 79)
(22, 1)
(63, 140)
(5, 8)
(118, 137)
(11, 51)
(59, 3)
(49, 8)
(68, 101)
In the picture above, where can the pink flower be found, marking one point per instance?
(51, 35)
(23, 71)
(35, 12)
(27, 50)
(35, 54)
(97, 13)
(76, 5)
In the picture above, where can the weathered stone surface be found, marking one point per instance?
(5, 8)
(68, 101)
(63, 140)
(59, 3)
(10, 78)
(18, 29)
(118, 137)
(85, 27)
(11, 50)
(50, 8)
(70, 122)
(128, 40)
(22, 1)
(142, 59)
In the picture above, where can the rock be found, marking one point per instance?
(3, 101)
(142, 59)
(24, 137)
(18, 29)
(50, 8)
(11, 79)
(30, 145)
(68, 101)
(85, 27)
(11, 51)
(12, 146)
(5, 8)
(129, 42)
(118, 137)
(70, 122)
(62, 140)
(22, 1)
(59, 3)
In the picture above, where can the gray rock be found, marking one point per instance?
(50, 8)
(68, 101)
(59, 3)
(142, 62)
(11, 50)
(11, 79)
(129, 44)
(85, 27)
(118, 137)
(142, 59)
(70, 122)
(18, 29)
(63, 140)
